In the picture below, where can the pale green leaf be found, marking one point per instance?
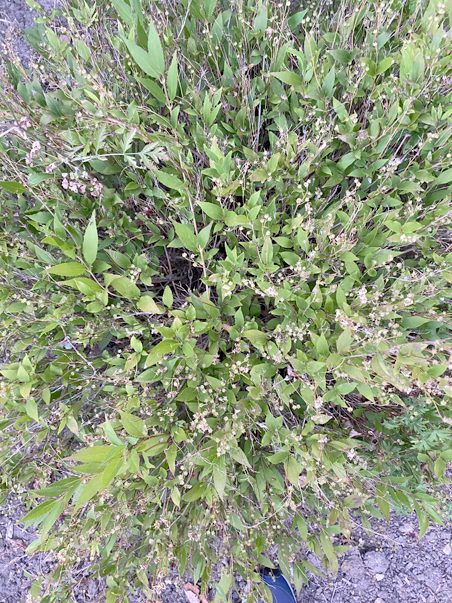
(169, 180)
(210, 209)
(67, 269)
(195, 493)
(171, 455)
(133, 425)
(13, 187)
(172, 78)
(155, 50)
(91, 489)
(328, 83)
(288, 77)
(167, 297)
(32, 409)
(344, 340)
(90, 241)
(141, 58)
(147, 304)
(125, 287)
(186, 236)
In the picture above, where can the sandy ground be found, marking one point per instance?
(390, 569)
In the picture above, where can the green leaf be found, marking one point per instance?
(382, 500)
(238, 455)
(133, 425)
(121, 259)
(147, 304)
(22, 374)
(175, 496)
(90, 241)
(233, 219)
(341, 56)
(67, 269)
(172, 78)
(261, 19)
(257, 338)
(154, 88)
(141, 58)
(124, 11)
(278, 457)
(265, 561)
(91, 489)
(302, 527)
(288, 77)
(344, 340)
(186, 236)
(167, 297)
(164, 347)
(236, 522)
(210, 209)
(169, 180)
(111, 471)
(384, 65)
(293, 470)
(32, 409)
(155, 50)
(327, 545)
(439, 467)
(424, 522)
(322, 346)
(171, 455)
(294, 20)
(204, 236)
(125, 287)
(447, 455)
(328, 83)
(57, 488)
(195, 493)
(93, 454)
(220, 477)
(444, 178)
(13, 187)
(39, 511)
(354, 501)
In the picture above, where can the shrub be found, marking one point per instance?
(226, 267)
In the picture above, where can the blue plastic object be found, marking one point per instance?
(279, 586)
